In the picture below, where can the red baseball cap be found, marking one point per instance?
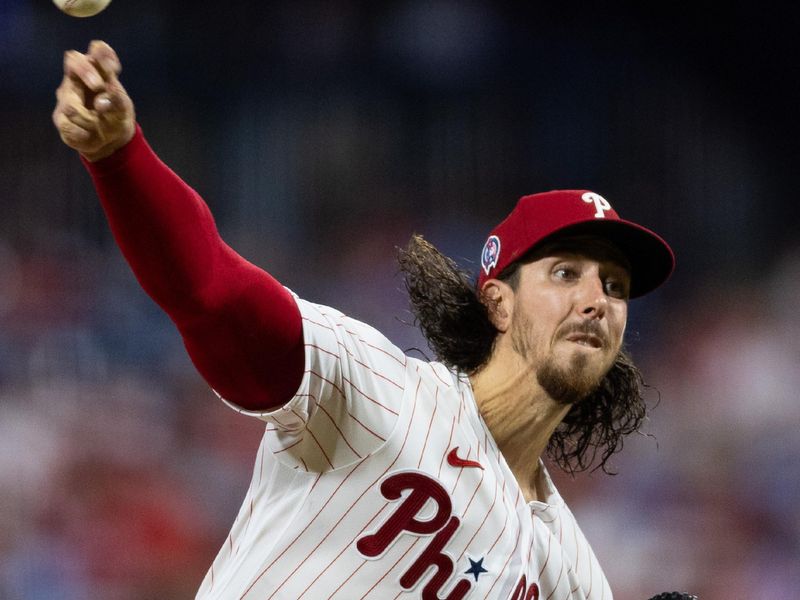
(543, 217)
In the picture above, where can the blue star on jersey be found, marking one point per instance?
(476, 568)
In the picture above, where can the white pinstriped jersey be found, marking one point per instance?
(380, 480)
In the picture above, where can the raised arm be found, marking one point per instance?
(241, 328)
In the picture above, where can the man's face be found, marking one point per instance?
(570, 311)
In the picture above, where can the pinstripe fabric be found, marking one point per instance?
(367, 418)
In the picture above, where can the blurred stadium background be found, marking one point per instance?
(322, 134)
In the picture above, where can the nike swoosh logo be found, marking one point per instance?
(456, 461)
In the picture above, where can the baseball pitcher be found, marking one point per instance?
(380, 475)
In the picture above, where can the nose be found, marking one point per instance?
(592, 301)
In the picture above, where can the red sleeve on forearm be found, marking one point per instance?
(242, 329)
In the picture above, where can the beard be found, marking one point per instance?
(565, 384)
(568, 384)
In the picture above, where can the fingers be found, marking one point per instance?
(95, 69)
(91, 84)
(81, 70)
(105, 59)
(70, 102)
(76, 123)
(72, 134)
(113, 101)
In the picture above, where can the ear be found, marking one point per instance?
(499, 300)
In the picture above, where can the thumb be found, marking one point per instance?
(102, 103)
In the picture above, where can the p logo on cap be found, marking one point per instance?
(601, 205)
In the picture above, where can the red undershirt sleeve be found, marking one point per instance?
(241, 327)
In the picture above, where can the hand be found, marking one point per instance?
(93, 114)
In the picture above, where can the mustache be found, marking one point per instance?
(587, 327)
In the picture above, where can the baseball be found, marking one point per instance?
(81, 8)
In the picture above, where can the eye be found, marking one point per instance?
(616, 288)
(566, 273)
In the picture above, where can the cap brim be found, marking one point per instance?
(652, 260)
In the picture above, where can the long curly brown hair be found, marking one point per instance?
(457, 327)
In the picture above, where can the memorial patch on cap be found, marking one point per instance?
(490, 254)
